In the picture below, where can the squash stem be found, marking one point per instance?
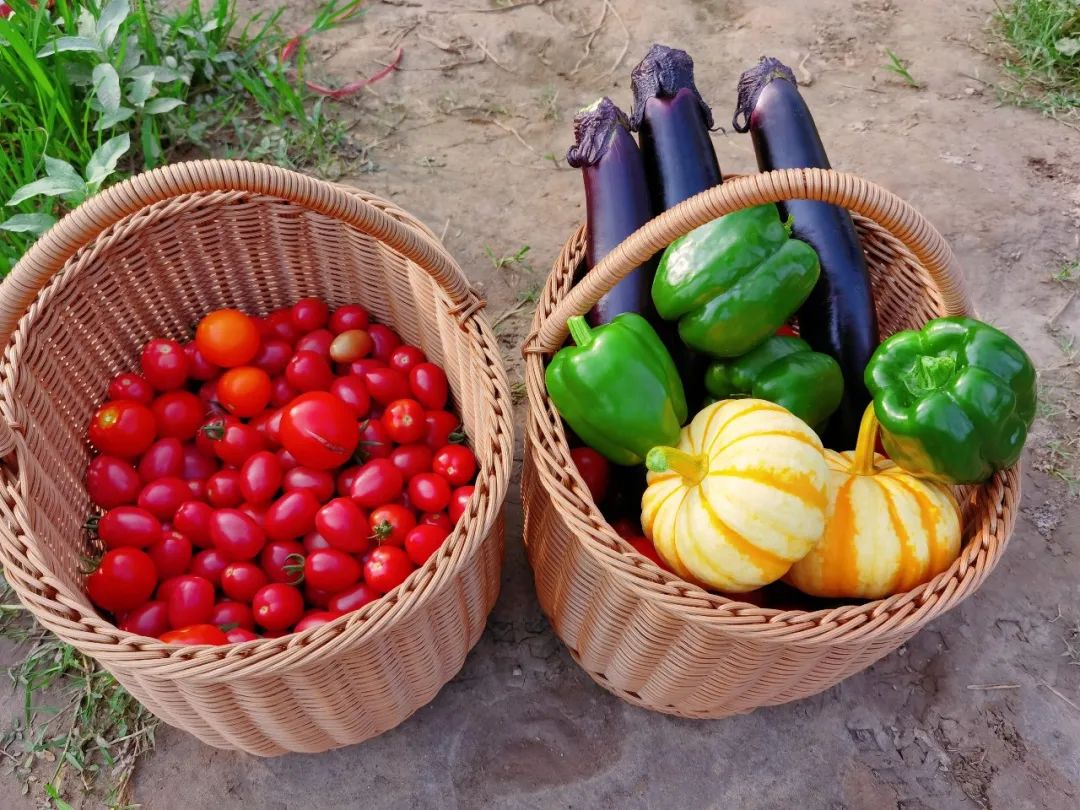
(692, 468)
(863, 462)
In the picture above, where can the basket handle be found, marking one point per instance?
(824, 185)
(103, 210)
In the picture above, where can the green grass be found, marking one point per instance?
(518, 259)
(1042, 55)
(899, 67)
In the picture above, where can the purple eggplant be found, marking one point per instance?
(673, 124)
(616, 202)
(838, 318)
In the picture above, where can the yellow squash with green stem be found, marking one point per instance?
(740, 499)
(887, 532)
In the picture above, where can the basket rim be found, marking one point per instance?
(667, 591)
(69, 613)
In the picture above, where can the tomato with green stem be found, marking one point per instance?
(232, 614)
(275, 559)
(391, 523)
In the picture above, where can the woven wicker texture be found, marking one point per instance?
(149, 257)
(658, 641)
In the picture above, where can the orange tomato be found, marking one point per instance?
(244, 391)
(227, 338)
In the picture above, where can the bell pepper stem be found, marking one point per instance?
(863, 461)
(692, 468)
(930, 373)
(579, 330)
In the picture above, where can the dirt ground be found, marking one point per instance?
(982, 709)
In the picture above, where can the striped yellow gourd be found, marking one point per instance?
(887, 530)
(740, 499)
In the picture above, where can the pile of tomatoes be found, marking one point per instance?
(270, 475)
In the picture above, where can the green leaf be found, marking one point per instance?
(103, 162)
(62, 44)
(87, 23)
(36, 224)
(141, 89)
(49, 186)
(107, 86)
(55, 167)
(110, 120)
(158, 106)
(1068, 46)
(112, 17)
(211, 25)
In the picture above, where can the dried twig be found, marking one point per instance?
(987, 687)
(591, 37)
(1056, 692)
(512, 131)
(445, 228)
(856, 87)
(626, 44)
(491, 10)
(480, 44)
(1052, 320)
(514, 310)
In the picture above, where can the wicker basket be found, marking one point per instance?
(664, 644)
(148, 258)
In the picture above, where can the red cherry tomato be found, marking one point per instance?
(223, 489)
(199, 368)
(422, 541)
(386, 340)
(236, 535)
(316, 599)
(350, 316)
(353, 598)
(178, 414)
(163, 497)
(150, 619)
(344, 525)
(195, 635)
(404, 421)
(260, 477)
(441, 426)
(594, 469)
(242, 580)
(377, 482)
(428, 384)
(386, 568)
(309, 314)
(163, 459)
(390, 524)
(233, 441)
(111, 481)
(256, 512)
(164, 364)
(315, 619)
(132, 526)
(352, 390)
(244, 391)
(319, 430)
(375, 441)
(197, 465)
(644, 546)
(317, 342)
(197, 490)
(361, 367)
(171, 555)
(386, 384)
(232, 613)
(350, 346)
(227, 338)
(404, 358)
(192, 520)
(191, 601)
(268, 424)
(287, 460)
(313, 541)
(331, 570)
(459, 502)
(456, 463)
(440, 519)
(308, 371)
(210, 565)
(292, 515)
(129, 385)
(280, 325)
(123, 429)
(273, 356)
(429, 492)
(320, 482)
(238, 635)
(281, 393)
(123, 580)
(278, 606)
(411, 459)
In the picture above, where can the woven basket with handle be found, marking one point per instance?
(660, 642)
(148, 258)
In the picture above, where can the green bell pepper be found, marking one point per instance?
(618, 388)
(954, 399)
(783, 370)
(732, 282)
